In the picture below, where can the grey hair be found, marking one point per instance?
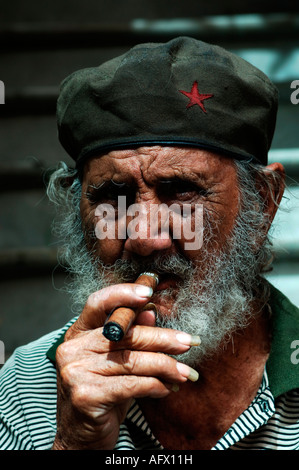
(64, 190)
(256, 185)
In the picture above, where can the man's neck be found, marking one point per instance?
(200, 413)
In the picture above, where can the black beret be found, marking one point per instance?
(182, 92)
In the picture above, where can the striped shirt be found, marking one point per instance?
(28, 397)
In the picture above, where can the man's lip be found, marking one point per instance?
(168, 280)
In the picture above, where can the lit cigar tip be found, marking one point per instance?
(113, 331)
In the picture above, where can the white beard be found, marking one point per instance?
(214, 298)
(213, 307)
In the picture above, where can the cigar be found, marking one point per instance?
(120, 320)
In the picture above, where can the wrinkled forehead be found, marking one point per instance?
(154, 163)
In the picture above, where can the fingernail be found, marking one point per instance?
(173, 387)
(150, 306)
(187, 372)
(188, 340)
(144, 291)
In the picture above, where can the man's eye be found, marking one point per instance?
(181, 189)
(108, 193)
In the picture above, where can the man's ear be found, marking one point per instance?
(272, 188)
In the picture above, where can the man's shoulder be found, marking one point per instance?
(281, 301)
(28, 395)
(282, 370)
(35, 352)
(30, 365)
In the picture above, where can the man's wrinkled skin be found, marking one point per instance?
(97, 380)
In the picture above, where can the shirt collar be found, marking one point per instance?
(283, 374)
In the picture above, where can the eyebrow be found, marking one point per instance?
(105, 183)
(196, 179)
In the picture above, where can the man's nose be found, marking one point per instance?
(148, 229)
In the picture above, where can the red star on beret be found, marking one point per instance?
(195, 97)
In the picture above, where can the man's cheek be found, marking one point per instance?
(192, 227)
(104, 222)
(109, 251)
(187, 227)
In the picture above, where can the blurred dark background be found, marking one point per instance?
(41, 43)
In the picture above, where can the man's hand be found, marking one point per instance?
(97, 379)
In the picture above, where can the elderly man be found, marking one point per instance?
(206, 362)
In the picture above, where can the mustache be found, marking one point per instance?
(127, 270)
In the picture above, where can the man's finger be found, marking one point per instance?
(141, 364)
(104, 301)
(141, 338)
